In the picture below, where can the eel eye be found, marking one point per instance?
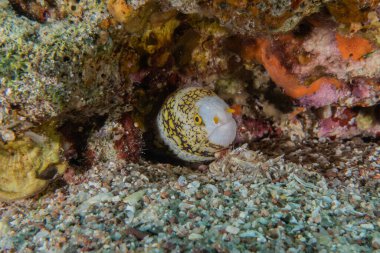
(197, 119)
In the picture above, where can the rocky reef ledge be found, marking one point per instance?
(81, 82)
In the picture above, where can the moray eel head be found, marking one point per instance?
(195, 123)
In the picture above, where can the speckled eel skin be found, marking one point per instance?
(195, 124)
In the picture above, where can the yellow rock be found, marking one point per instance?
(119, 10)
(27, 164)
(159, 35)
(365, 121)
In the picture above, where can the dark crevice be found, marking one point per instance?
(77, 133)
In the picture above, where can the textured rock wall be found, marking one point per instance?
(296, 68)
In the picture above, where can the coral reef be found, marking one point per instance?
(59, 69)
(102, 69)
(82, 83)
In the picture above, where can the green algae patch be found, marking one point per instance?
(41, 64)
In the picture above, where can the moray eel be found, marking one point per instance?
(195, 123)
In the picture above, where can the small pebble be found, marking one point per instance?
(134, 198)
(376, 243)
(367, 226)
(182, 181)
(194, 237)
(7, 135)
(232, 230)
(194, 184)
(4, 228)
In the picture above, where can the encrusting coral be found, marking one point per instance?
(318, 75)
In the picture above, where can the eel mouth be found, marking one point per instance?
(224, 134)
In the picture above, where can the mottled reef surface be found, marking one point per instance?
(80, 85)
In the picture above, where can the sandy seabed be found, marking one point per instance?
(309, 197)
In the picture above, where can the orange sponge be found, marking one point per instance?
(353, 47)
(292, 86)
